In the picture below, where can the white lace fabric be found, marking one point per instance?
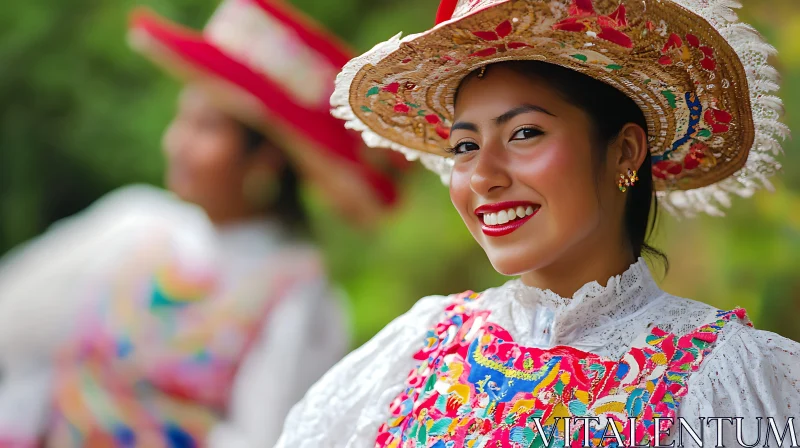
(749, 372)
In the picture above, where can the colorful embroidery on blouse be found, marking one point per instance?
(171, 287)
(154, 362)
(475, 385)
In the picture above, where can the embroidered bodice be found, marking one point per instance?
(493, 361)
(475, 385)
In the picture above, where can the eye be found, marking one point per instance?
(526, 134)
(463, 148)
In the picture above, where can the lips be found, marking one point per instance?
(503, 218)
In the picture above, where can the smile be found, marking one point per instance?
(505, 217)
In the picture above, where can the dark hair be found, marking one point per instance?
(609, 110)
(288, 206)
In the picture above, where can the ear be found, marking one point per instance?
(629, 149)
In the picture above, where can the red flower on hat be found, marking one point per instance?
(391, 88)
(441, 130)
(718, 120)
(667, 168)
(698, 154)
(582, 15)
(708, 62)
(498, 34)
(401, 106)
(674, 42)
(502, 30)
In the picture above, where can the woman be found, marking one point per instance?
(201, 324)
(558, 124)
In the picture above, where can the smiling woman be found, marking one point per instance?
(560, 158)
(557, 169)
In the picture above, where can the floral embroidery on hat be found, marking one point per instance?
(678, 49)
(584, 18)
(499, 34)
(691, 151)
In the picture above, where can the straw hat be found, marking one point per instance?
(701, 78)
(272, 68)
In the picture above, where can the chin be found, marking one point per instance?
(511, 269)
(512, 263)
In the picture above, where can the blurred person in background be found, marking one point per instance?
(195, 317)
(559, 124)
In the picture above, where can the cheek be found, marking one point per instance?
(219, 154)
(214, 166)
(460, 190)
(562, 174)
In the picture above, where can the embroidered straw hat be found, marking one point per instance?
(272, 68)
(700, 76)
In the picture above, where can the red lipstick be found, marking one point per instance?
(497, 230)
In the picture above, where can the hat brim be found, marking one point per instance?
(699, 99)
(318, 145)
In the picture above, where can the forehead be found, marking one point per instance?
(502, 88)
(192, 96)
(193, 99)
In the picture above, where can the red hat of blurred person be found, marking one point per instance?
(271, 67)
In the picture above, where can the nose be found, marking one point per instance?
(490, 171)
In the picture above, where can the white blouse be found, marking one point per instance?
(42, 291)
(750, 373)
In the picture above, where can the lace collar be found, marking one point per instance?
(557, 320)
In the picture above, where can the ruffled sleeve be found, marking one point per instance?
(346, 407)
(751, 373)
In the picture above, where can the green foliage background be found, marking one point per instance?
(81, 114)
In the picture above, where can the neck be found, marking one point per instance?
(572, 271)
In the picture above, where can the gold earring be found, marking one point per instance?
(628, 181)
(633, 176)
(481, 72)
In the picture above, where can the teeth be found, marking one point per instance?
(502, 217)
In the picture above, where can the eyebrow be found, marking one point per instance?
(463, 125)
(502, 119)
(525, 108)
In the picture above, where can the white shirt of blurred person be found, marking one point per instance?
(247, 224)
